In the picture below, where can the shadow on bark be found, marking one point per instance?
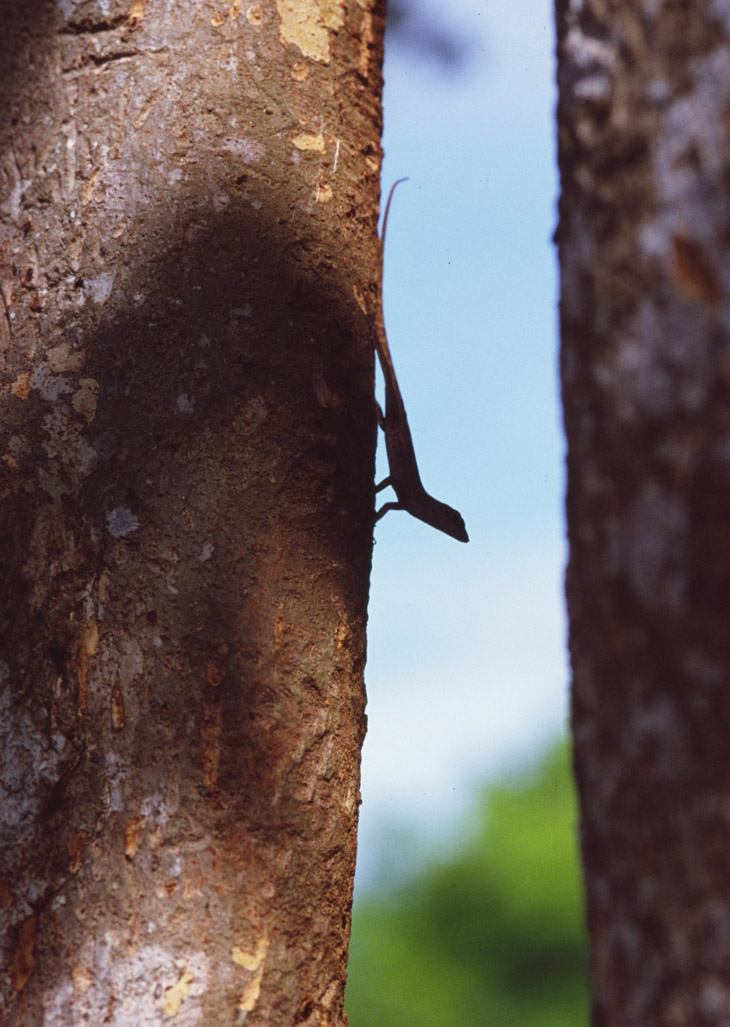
(234, 394)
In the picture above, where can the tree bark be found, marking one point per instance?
(644, 142)
(188, 268)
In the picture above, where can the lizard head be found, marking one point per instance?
(444, 518)
(453, 524)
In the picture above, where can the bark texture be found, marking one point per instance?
(644, 238)
(187, 266)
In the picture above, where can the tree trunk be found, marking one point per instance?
(644, 253)
(189, 262)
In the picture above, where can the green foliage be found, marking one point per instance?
(495, 935)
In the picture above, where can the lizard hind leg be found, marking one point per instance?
(384, 509)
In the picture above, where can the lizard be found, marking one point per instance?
(404, 477)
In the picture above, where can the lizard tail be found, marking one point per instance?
(387, 209)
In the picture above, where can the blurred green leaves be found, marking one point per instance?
(495, 935)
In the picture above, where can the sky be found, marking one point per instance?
(467, 668)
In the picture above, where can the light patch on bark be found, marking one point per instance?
(75, 844)
(89, 187)
(121, 521)
(48, 384)
(366, 40)
(18, 448)
(301, 23)
(70, 177)
(88, 644)
(63, 440)
(84, 399)
(333, 13)
(151, 988)
(136, 13)
(721, 10)
(685, 230)
(587, 53)
(99, 289)
(82, 977)
(117, 707)
(132, 833)
(129, 660)
(249, 150)
(21, 385)
(306, 141)
(176, 993)
(360, 297)
(21, 794)
(254, 962)
(115, 776)
(714, 998)
(658, 537)
(636, 376)
(64, 358)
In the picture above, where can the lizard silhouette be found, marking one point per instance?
(404, 477)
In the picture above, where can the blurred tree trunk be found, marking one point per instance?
(188, 259)
(644, 241)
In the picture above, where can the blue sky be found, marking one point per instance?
(466, 671)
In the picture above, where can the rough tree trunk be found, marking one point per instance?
(188, 259)
(645, 257)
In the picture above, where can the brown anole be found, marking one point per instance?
(404, 477)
